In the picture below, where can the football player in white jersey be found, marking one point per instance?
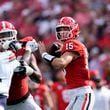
(8, 61)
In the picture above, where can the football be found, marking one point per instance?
(54, 49)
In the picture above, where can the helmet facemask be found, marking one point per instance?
(8, 36)
(67, 28)
(63, 32)
(7, 32)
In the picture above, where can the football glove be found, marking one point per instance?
(33, 45)
(20, 70)
(13, 45)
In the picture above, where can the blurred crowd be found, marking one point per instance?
(38, 18)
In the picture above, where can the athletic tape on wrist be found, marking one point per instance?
(48, 57)
(29, 70)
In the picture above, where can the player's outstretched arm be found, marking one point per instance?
(26, 69)
(57, 63)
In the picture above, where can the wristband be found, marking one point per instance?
(20, 70)
(29, 70)
(49, 58)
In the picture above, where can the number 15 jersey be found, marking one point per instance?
(77, 73)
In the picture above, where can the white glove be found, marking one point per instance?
(13, 45)
(33, 45)
(6, 45)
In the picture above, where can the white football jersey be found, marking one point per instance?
(8, 63)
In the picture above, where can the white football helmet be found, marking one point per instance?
(7, 32)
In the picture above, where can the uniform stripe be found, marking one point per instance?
(12, 57)
(87, 101)
(75, 99)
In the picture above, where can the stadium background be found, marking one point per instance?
(38, 18)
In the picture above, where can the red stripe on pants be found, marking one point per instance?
(85, 100)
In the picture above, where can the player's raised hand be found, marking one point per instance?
(33, 45)
(55, 49)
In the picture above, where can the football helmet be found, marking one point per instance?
(67, 28)
(7, 32)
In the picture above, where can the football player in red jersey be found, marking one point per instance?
(74, 59)
(42, 96)
(58, 90)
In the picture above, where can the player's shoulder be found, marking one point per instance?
(7, 53)
(74, 41)
(7, 56)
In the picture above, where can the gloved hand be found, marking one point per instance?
(13, 45)
(54, 50)
(33, 45)
(21, 70)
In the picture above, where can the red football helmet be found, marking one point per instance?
(7, 32)
(67, 28)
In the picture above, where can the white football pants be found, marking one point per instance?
(28, 104)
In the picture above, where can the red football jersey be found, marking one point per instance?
(59, 89)
(77, 73)
(38, 95)
(19, 86)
